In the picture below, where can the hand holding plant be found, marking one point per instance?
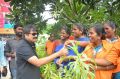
(77, 69)
(69, 42)
(63, 51)
(59, 61)
(68, 58)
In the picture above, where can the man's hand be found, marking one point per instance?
(59, 61)
(63, 51)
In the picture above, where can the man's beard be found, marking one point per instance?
(19, 34)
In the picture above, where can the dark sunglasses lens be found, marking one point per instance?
(34, 34)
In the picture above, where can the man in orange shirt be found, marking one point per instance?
(50, 46)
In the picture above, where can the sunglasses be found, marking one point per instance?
(34, 34)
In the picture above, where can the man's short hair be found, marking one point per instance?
(28, 28)
(17, 25)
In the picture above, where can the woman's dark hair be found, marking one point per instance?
(111, 24)
(28, 28)
(99, 30)
(67, 30)
(17, 25)
(81, 28)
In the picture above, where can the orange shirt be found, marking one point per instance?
(50, 47)
(57, 42)
(108, 53)
(117, 46)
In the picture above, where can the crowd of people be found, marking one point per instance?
(100, 43)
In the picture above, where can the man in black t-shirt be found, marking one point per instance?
(10, 49)
(27, 61)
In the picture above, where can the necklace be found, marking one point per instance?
(97, 49)
(112, 40)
